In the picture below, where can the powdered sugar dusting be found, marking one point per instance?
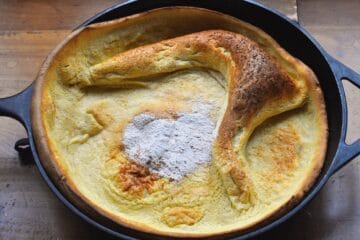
(171, 148)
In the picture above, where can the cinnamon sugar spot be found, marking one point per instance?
(135, 178)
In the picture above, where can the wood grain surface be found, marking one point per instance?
(29, 30)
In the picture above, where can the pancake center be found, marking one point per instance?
(171, 148)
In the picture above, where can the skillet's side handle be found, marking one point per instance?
(346, 152)
(18, 106)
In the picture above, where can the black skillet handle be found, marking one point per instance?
(18, 107)
(345, 152)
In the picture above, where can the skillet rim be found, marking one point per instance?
(311, 193)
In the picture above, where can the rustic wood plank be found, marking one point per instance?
(28, 210)
(331, 13)
(66, 14)
(48, 15)
(288, 7)
(21, 55)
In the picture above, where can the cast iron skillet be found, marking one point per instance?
(289, 35)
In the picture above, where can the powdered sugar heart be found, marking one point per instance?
(170, 148)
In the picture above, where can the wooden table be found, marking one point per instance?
(30, 29)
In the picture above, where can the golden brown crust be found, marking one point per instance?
(244, 101)
(135, 178)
